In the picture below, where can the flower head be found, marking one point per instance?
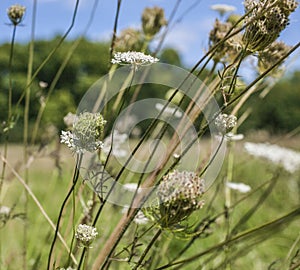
(178, 196)
(223, 8)
(153, 19)
(266, 19)
(129, 40)
(225, 122)
(86, 134)
(86, 234)
(16, 13)
(133, 58)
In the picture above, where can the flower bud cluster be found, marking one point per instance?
(225, 122)
(86, 234)
(153, 19)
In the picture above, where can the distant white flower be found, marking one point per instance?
(133, 58)
(118, 139)
(139, 219)
(241, 187)
(4, 210)
(131, 187)
(234, 137)
(43, 84)
(85, 234)
(287, 158)
(70, 119)
(223, 8)
(168, 110)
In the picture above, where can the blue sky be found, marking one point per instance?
(189, 36)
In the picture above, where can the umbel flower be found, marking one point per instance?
(153, 19)
(178, 196)
(86, 134)
(270, 56)
(86, 234)
(133, 58)
(225, 122)
(223, 8)
(16, 13)
(129, 40)
(266, 18)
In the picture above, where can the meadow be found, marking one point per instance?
(143, 166)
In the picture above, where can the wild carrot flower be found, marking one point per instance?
(225, 122)
(153, 19)
(139, 218)
(287, 158)
(241, 187)
(178, 196)
(133, 58)
(16, 13)
(266, 21)
(223, 8)
(86, 234)
(86, 133)
(169, 110)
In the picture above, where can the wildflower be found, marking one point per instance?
(178, 197)
(4, 210)
(223, 8)
(289, 159)
(225, 122)
(129, 40)
(15, 13)
(133, 58)
(139, 218)
(168, 110)
(234, 137)
(153, 19)
(86, 234)
(266, 21)
(131, 187)
(43, 84)
(86, 134)
(271, 55)
(241, 187)
(227, 49)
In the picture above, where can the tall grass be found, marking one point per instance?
(152, 186)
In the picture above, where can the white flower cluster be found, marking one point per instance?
(241, 187)
(225, 122)
(86, 133)
(223, 8)
(133, 58)
(287, 158)
(86, 234)
(169, 110)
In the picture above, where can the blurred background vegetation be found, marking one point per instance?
(277, 113)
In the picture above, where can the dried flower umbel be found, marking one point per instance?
(129, 40)
(153, 19)
(16, 13)
(86, 234)
(266, 18)
(270, 56)
(86, 134)
(227, 49)
(178, 196)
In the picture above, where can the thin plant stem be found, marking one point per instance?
(147, 249)
(112, 45)
(74, 182)
(244, 236)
